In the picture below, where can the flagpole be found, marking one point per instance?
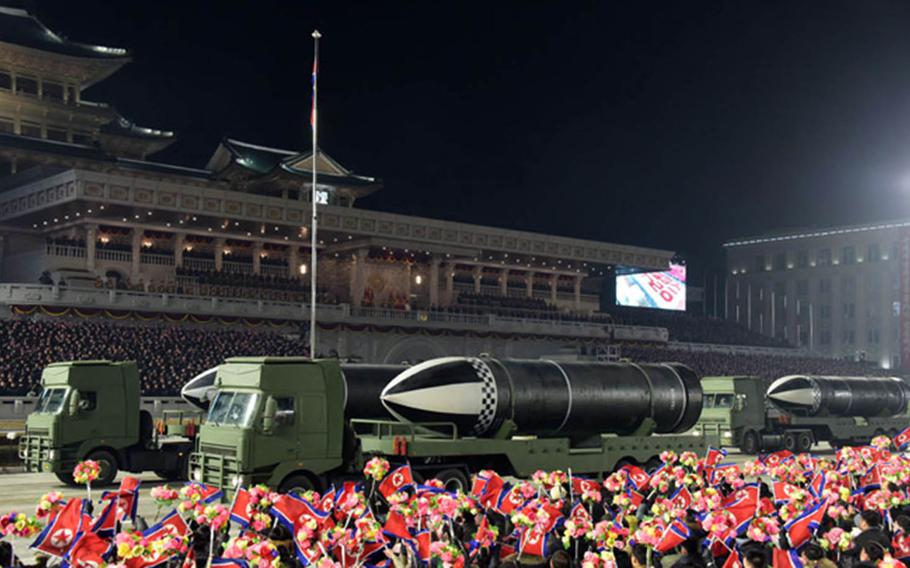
(313, 121)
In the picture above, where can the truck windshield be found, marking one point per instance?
(233, 408)
(51, 400)
(724, 401)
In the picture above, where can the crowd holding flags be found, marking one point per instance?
(781, 510)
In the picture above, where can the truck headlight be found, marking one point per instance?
(197, 475)
(52, 455)
(236, 481)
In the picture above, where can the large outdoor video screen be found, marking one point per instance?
(660, 290)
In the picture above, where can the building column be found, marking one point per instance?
(434, 281)
(578, 280)
(137, 251)
(179, 243)
(554, 285)
(504, 282)
(449, 298)
(257, 258)
(219, 254)
(91, 240)
(294, 262)
(358, 265)
(478, 276)
(529, 284)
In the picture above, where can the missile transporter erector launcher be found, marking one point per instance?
(282, 421)
(798, 411)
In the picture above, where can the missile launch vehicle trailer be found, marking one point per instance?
(281, 421)
(738, 410)
(90, 410)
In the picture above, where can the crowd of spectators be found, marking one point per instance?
(716, 363)
(167, 356)
(692, 328)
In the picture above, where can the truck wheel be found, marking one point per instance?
(298, 483)
(804, 442)
(453, 480)
(750, 443)
(790, 442)
(67, 478)
(108, 465)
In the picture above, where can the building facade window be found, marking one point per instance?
(26, 86)
(56, 134)
(52, 91)
(824, 286)
(802, 259)
(824, 257)
(848, 255)
(824, 311)
(7, 125)
(873, 254)
(759, 262)
(802, 288)
(872, 336)
(6, 81)
(849, 310)
(30, 129)
(780, 261)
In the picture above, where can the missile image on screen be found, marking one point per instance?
(546, 398)
(860, 397)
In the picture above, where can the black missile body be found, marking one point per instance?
(363, 386)
(858, 397)
(546, 398)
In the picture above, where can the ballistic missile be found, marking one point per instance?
(860, 397)
(363, 386)
(545, 398)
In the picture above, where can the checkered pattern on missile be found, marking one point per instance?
(488, 392)
(816, 397)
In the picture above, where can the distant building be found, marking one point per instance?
(838, 291)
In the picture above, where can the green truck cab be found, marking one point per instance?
(737, 410)
(90, 410)
(280, 421)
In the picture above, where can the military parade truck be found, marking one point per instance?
(90, 410)
(281, 421)
(797, 412)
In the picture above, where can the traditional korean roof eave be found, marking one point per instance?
(20, 26)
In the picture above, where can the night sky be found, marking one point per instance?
(665, 124)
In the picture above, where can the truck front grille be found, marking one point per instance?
(217, 450)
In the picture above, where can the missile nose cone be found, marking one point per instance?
(794, 391)
(200, 390)
(460, 390)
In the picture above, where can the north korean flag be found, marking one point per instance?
(681, 499)
(209, 492)
(510, 499)
(817, 485)
(582, 485)
(421, 546)
(291, 511)
(783, 491)
(742, 504)
(395, 526)
(734, 560)
(534, 542)
(307, 556)
(125, 499)
(172, 524)
(240, 513)
(327, 503)
(61, 532)
(871, 480)
(901, 546)
(786, 559)
(902, 440)
(481, 480)
(106, 523)
(89, 551)
(777, 458)
(636, 498)
(347, 489)
(674, 535)
(492, 492)
(506, 550)
(638, 479)
(396, 481)
(718, 472)
(801, 529)
(870, 454)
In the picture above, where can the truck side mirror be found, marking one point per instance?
(268, 415)
(73, 408)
